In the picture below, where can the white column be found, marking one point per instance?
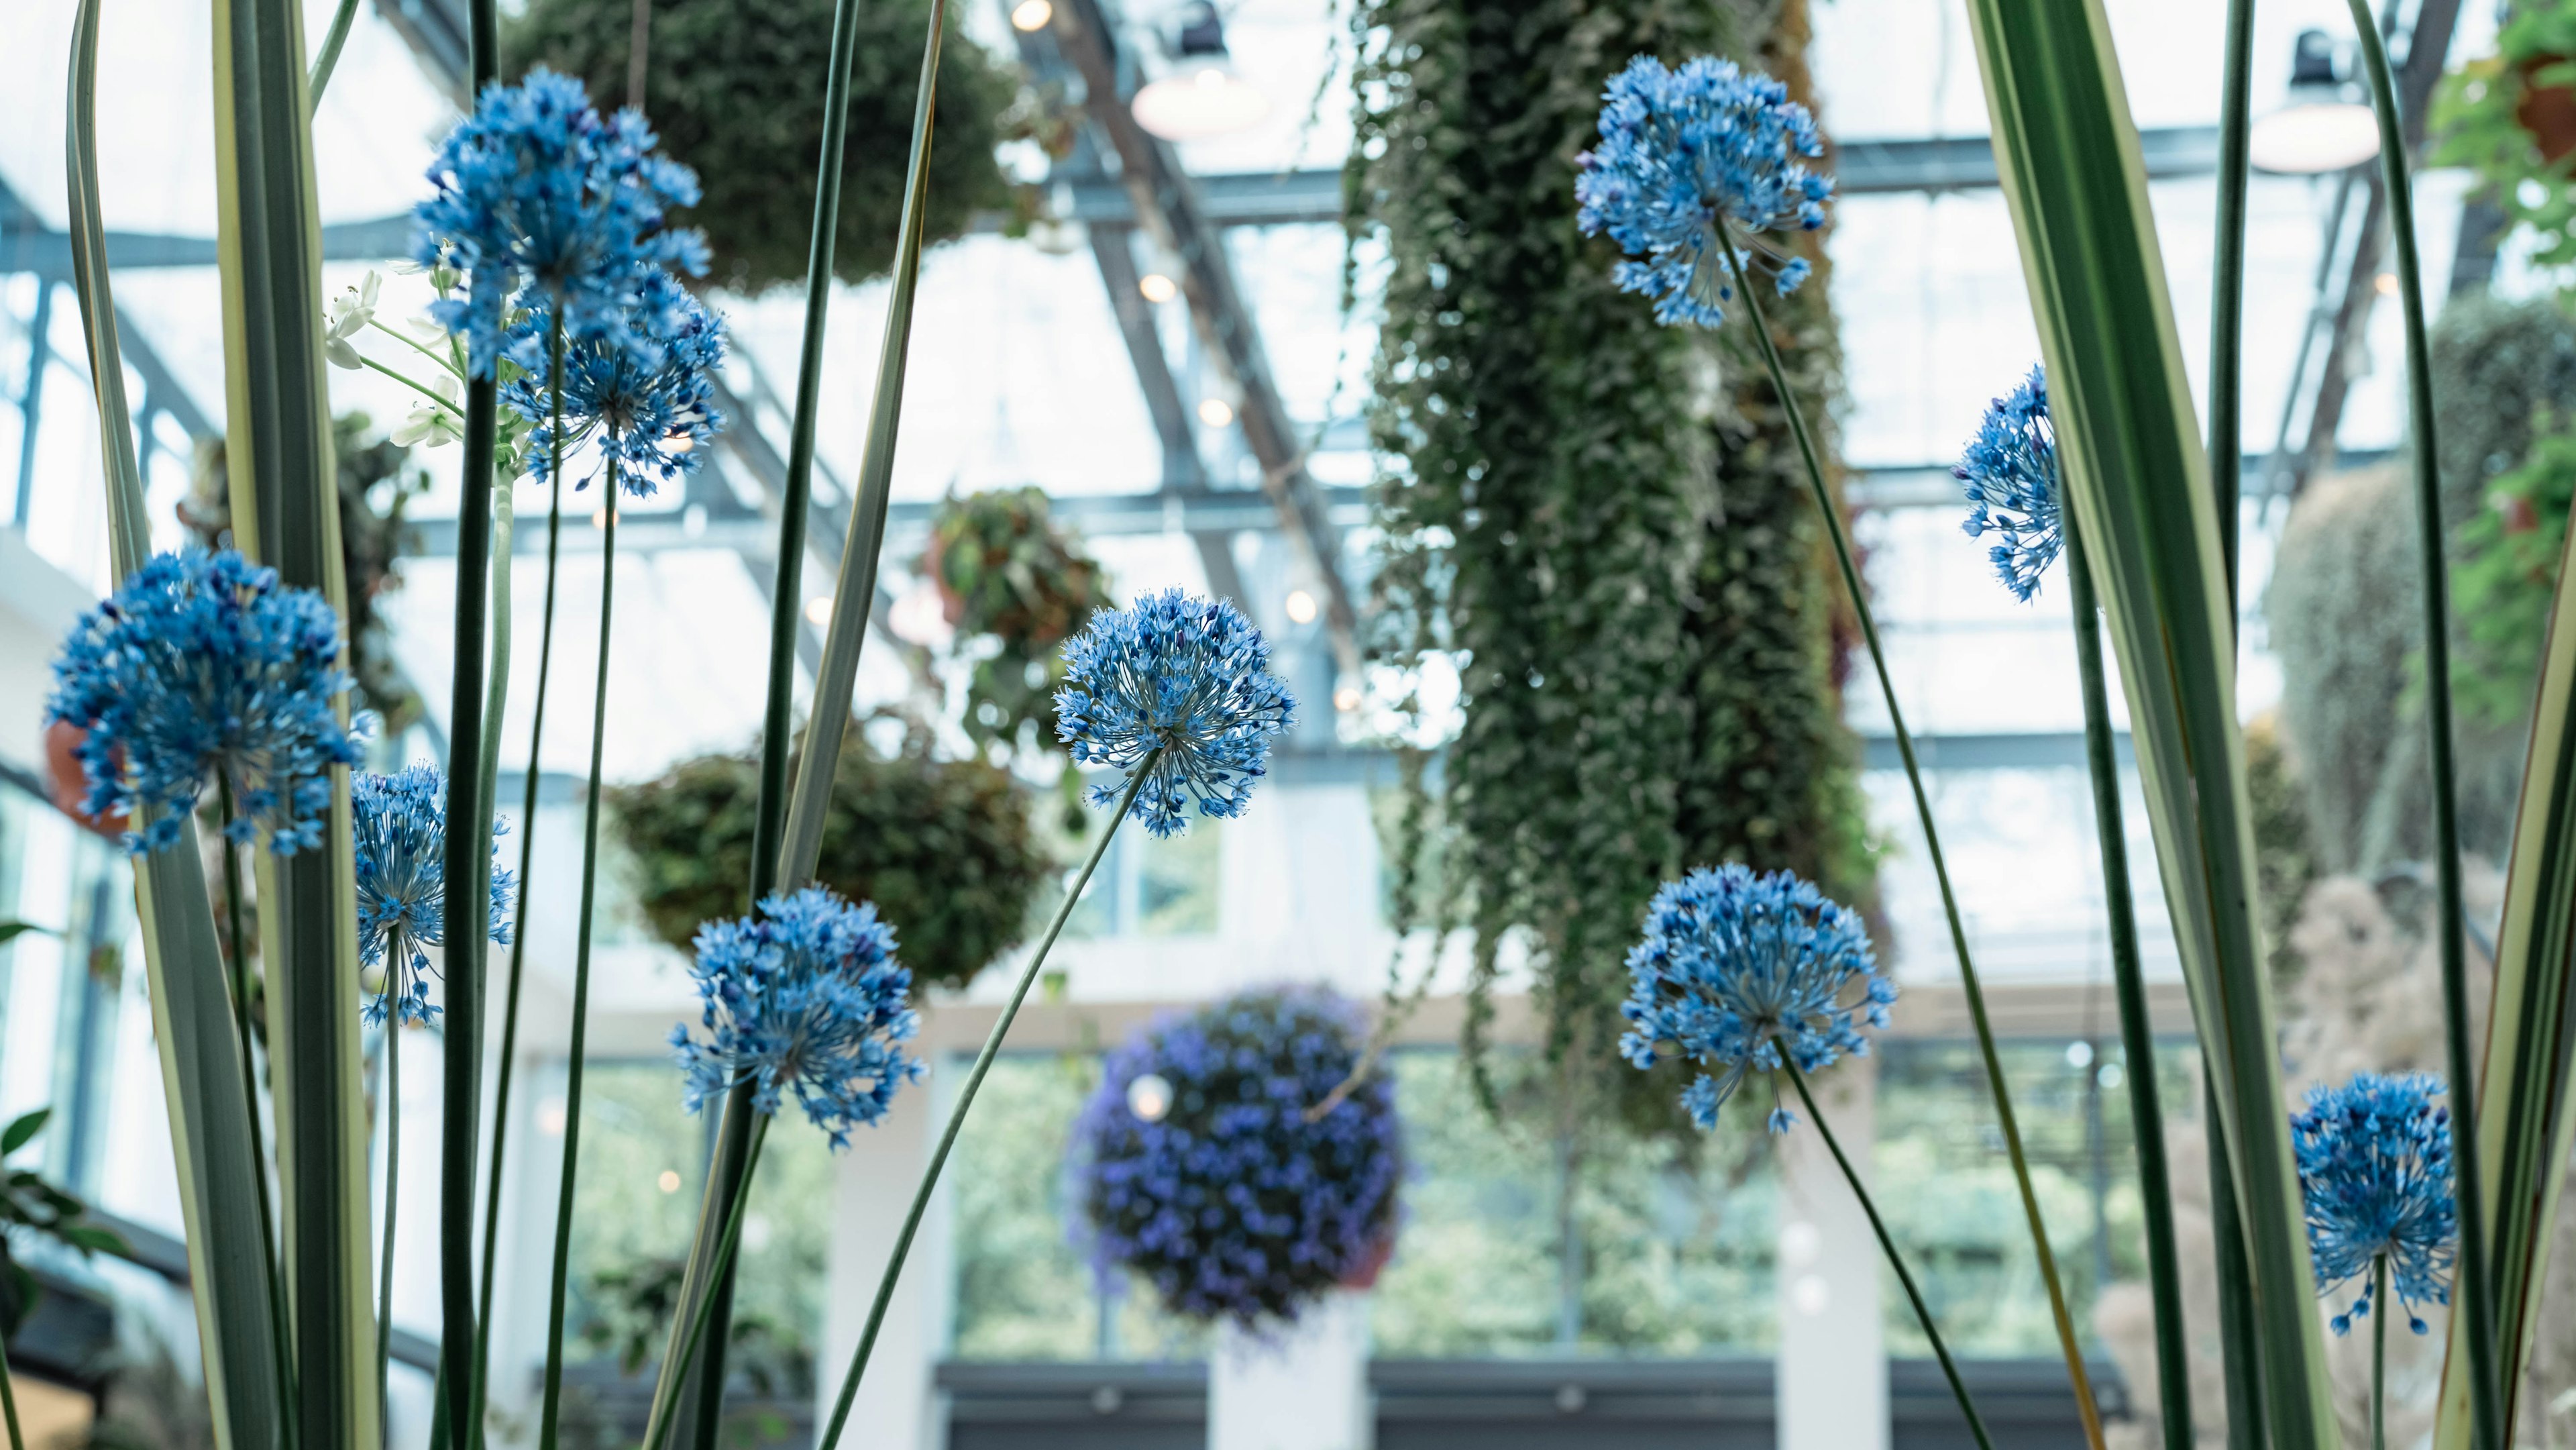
(1832, 1371)
(1304, 1389)
(873, 1183)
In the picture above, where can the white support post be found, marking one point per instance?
(1832, 1367)
(1304, 1389)
(897, 1406)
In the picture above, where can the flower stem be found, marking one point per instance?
(2137, 1030)
(239, 980)
(416, 345)
(392, 1116)
(328, 58)
(2477, 1291)
(1969, 985)
(1895, 1260)
(2379, 1352)
(518, 955)
(552, 1405)
(966, 1099)
(412, 383)
(2240, 1342)
(666, 1395)
(9, 1398)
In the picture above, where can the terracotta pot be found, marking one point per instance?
(1363, 1275)
(2548, 112)
(69, 782)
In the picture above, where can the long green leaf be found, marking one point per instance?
(788, 831)
(2527, 1121)
(286, 513)
(2138, 482)
(212, 1136)
(2474, 1293)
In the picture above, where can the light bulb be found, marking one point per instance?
(819, 609)
(1347, 698)
(1149, 1097)
(1157, 287)
(669, 1182)
(1031, 15)
(1301, 606)
(1215, 412)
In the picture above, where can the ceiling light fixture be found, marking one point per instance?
(2321, 129)
(1201, 95)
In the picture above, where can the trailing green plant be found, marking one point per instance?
(943, 847)
(734, 90)
(33, 1206)
(1646, 669)
(2508, 117)
(377, 486)
(2508, 579)
(1008, 573)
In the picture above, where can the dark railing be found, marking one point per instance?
(1511, 1404)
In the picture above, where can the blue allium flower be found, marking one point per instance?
(804, 993)
(205, 663)
(647, 390)
(399, 822)
(2010, 471)
(1230, 1202)
(1737, 968)
(2375, 1169)
(1685, 152)
(537, 191)
(1190, 677)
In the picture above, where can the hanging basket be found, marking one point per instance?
(2547, 111)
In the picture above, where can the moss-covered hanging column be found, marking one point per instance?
(1601, 516)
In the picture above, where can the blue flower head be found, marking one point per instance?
(1684, 153)
(803, 993)
(1232, 1201)
(203, 663)
(1189, 678)
(2375, 1169)
(647, 392)
(537, 191)
(399, 823)
(1736, 969)
(2009, 470)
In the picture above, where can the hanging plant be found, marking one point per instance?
(734, 90)
(1005, 571)
(1198, 1165)
(1646, 670)
(2511, 118)
(943, 847)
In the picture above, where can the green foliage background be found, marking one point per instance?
(943, 847)
(735, 87)
(1602, 518)
(2343, 603)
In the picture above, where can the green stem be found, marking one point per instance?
(666, 1396)
(239, 980)
(1969, 985)
(965, 1100)
(551, 1411)
(412, 383)
(2239, 1327)
(445, 361)
(392, 1116)
(2227, 283)
(2379, 1352)
(518, 955)
(2137, 1029)
(2476, 1290)
(329, 58)
(1895, 1260)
